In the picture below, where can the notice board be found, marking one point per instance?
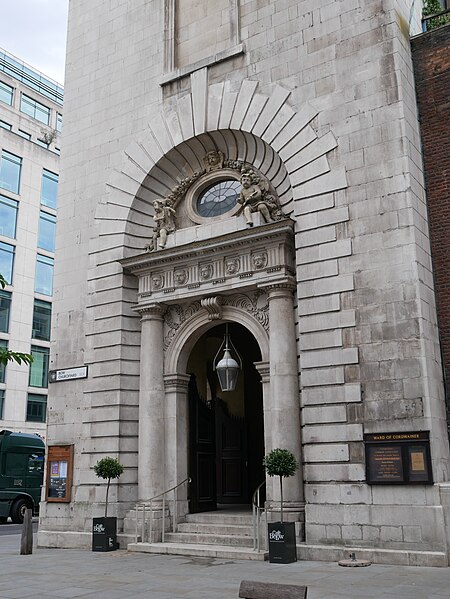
(59, 473)
(398, 458)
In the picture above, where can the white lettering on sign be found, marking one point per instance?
(276, 535)
(68, 374)
(99, 528)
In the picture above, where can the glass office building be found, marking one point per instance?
(31, 124)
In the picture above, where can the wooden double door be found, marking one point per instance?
(218, 460)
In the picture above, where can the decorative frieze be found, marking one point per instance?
(251, 257)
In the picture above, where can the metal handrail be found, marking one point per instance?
(257, 509)
(145, 503)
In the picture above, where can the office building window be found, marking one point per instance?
(47, 228)
(3, 345)
(8, 216)
(49, 189)
(5, 125)
(7, 261)
(39, 366)
(58, 122)
(44, 275)
(35, 109)
(57, 151)
(24, 134)
(10, 167)
(5, 309)
(42, 315)
(6, 93)
(36, 407)
(42, 143)
(2, 402)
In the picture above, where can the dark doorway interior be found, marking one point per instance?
(226, 432)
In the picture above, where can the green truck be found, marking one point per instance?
(21, 474)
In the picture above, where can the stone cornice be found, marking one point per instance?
(239, 260)
(230, 242)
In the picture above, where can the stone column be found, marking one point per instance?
(177, 445)
(151, 459)
(263, 369)
(284, 389)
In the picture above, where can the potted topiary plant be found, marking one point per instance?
(282, 546)
(104, 530)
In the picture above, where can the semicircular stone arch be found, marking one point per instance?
(185, 337)
(264, 131)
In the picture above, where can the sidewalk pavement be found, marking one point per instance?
(69, 573)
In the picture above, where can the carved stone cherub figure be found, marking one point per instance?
(164, 218)
(254, 197)
(213, 160)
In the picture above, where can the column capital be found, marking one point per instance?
(176, 382)
(154, 311)
(280, 288)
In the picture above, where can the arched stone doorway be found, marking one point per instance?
(225, 428)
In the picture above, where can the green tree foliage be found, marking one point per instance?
(108, 468)
(6, 355)
(282, 463)
(432, 7)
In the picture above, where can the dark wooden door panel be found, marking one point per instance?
(202, 452)
(231, 456)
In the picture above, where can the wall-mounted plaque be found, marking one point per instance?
(398, 458)
(69, 374)
(59, 473)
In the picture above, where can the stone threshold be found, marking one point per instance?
(199, 550)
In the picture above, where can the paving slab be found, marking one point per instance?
(72, 574)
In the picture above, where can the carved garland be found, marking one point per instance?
(256, 304)
(256, 196)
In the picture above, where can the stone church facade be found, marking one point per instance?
(256, 164)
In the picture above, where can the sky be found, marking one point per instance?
(35, 31)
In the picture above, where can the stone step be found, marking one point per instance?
(221, 518)
(199, 550)
(208, 539)
(216, 529)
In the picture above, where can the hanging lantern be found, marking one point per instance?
(227, 368)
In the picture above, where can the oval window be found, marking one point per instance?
(219, 198)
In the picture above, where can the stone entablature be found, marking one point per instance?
(235, 261)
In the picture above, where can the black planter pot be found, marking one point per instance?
(104, 534)
(282, 547)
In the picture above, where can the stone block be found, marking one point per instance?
(341, 319)
(334, 394)
(326, 286)
(322, 376)
(324, 414)
(322, 339)
(329, 357)
(317, 270)
(332, 433)
(334, 472)
(315, 236)
(326, 453)
(319, 305)
(325, 251)
(352, 532)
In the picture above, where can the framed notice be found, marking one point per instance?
(398, 458)
(59, 473)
